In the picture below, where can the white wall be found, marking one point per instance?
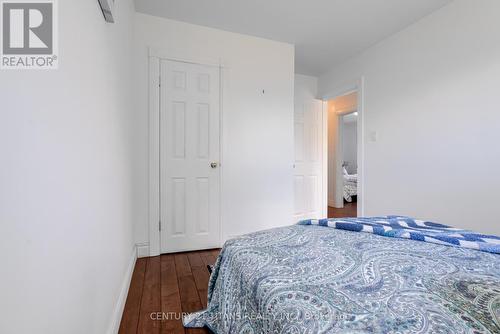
(65, 197)
(257, 134)
(306, 88)
(350, 145)
(431, 93)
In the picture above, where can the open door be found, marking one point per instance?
(310, 157)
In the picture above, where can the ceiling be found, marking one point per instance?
(325, 32)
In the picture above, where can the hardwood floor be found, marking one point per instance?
(162, 288)
(349, 210)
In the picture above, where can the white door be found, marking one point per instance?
(189, 156)
(308, 177)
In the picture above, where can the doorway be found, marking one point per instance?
(343, 155)
(319, 157)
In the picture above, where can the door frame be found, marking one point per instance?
(358, 86)
(155, 56)
(324, 171)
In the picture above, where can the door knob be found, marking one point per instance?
(213, 164)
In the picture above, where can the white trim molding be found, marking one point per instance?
(324, 200)
(122, 297)
(168, 55)
(361, 146)
(142, 249)
(154, 156)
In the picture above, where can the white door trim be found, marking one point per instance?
(154, 56)
(358, 86)
(324, 172)
(154, 156)
(169, 55)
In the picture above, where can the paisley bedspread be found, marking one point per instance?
(313, 279)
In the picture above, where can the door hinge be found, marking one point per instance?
(159, 81)
(159, 225)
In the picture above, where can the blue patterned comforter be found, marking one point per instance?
(411, 228)
(313, 279)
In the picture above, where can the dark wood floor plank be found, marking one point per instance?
(162, 285)
(349, 210)
(151, 302)
(190, 299)
(205, 257)
(215, 252)
(182, 265)
(170, 297)
(200, 275)
(208, 258)
(195, 260)
(132, 308)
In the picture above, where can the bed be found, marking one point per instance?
(350, 185)
(359, 275)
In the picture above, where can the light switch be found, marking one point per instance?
(373, 136)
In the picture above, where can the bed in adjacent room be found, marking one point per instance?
(350, 185)
(360, 275)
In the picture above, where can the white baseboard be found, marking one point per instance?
(122, 298)
(142, 249)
